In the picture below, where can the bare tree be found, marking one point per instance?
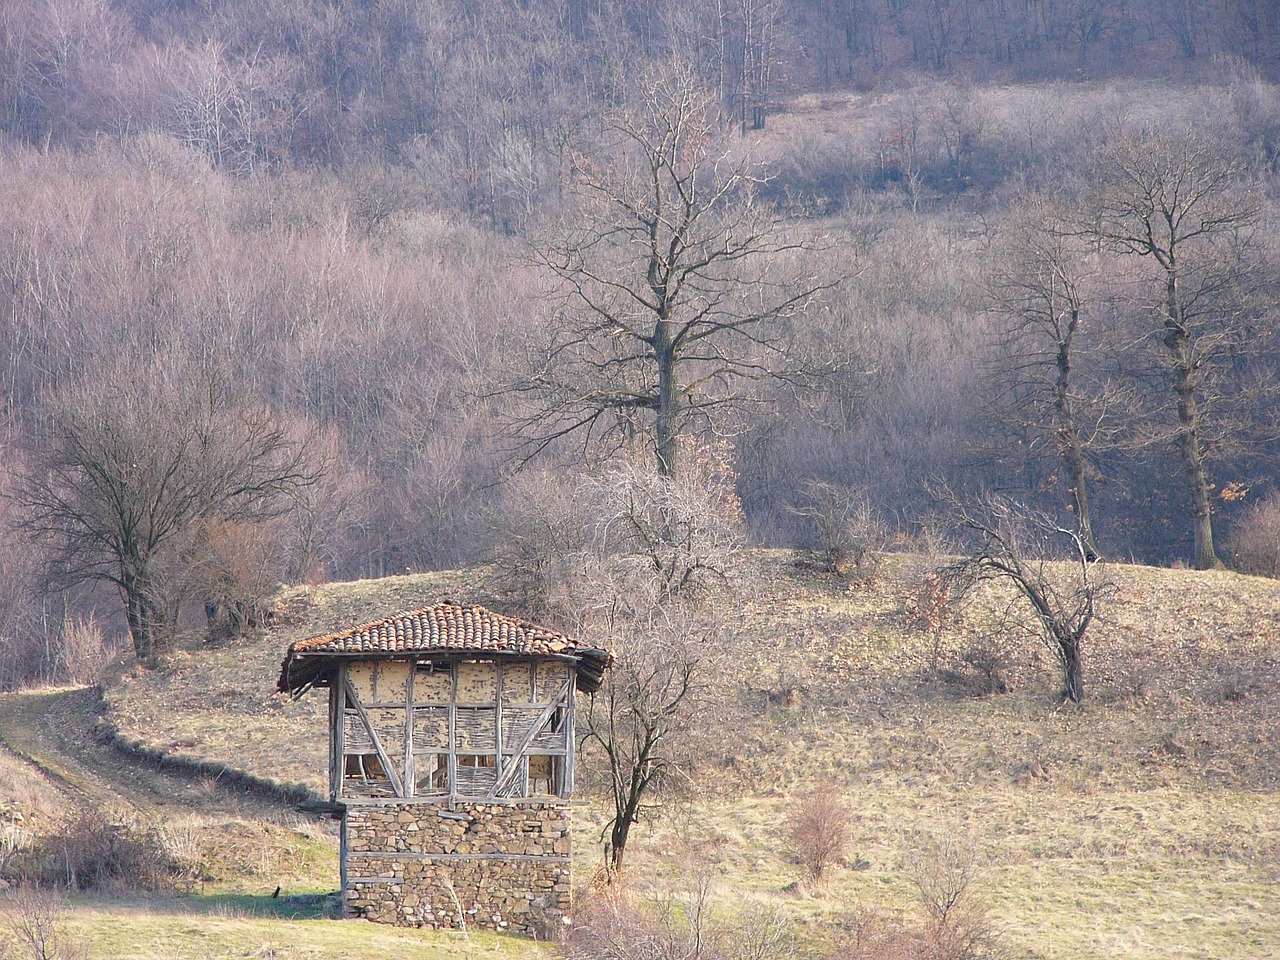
(1177, 202)
(675, 279)
(1038, 286)
(641, 718)
(660, 550)
(125, 466)
(34, 919)
(946, 872)
(1048, 564)
(1254, 541)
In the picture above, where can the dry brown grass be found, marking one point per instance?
(1145, 822)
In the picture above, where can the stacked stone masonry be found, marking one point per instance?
(485, 866)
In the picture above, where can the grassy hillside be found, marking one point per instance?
(1145, 823)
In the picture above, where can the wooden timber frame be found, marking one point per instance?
(449, 728)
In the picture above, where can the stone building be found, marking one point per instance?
(451, 735)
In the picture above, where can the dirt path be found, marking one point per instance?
(47, 741)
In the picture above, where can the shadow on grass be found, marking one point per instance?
(301, 906)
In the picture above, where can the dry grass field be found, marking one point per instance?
(1145, 823)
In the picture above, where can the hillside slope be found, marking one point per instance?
(1146, 822)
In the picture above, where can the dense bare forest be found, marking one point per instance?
(299, 290)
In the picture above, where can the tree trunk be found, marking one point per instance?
(144, 616)
(1189, 443)
(1072, 670)
(1069, 444)
(1080, 492)
(667, 429)
(617, 846)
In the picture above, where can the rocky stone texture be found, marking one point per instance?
(488, 866)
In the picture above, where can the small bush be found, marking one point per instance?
(845, 536)
(96, 851)
(33, 916)
(990, 660)
(235, 568)
(819, 831)
(84, 651)
(957, 924)
(615, 926)
(1254, 542)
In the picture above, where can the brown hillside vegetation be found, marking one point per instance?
(1144, 823)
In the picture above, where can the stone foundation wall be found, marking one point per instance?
(490, 866)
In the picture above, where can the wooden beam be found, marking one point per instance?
(410, 773)
(566, 773)
(335, 734)
(451, 758)
(499, 668)
(501, 782)
(373, 735)
(339, 735)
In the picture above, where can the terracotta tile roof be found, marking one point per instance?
(446, 627)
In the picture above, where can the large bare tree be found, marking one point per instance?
(660, 688)
(675, 280)
(126, 465)
(1042, 286)
(1179, 202)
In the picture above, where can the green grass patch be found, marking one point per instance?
(235, 929)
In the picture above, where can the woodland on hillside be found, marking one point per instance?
(309, 290)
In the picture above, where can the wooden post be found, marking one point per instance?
(452, 757)
(570, 741)
(499, 669)
(410, 774)
(339, 736)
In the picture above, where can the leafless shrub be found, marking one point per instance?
(933, 604)
(614, 926)
(990, 660)
(540, 526)
(1254, 542)
(819, 831)
(846, 535)
(13, 838)
(945, 873)
(96, 851)
(33, 916)
(186, 852)
(84, 650)
(987, 654)
(683, 531)
(234, 570)
(870, 934)
(680, 926)
(761, 933)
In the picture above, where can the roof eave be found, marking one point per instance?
(590, 664)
